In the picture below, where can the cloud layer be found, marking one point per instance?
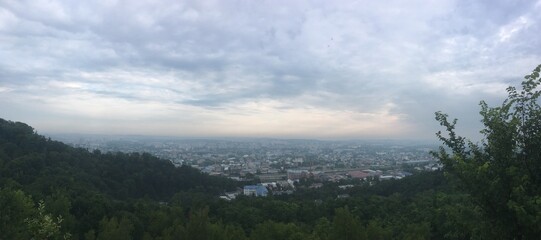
(347, 69)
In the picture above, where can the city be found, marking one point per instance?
(276, 163)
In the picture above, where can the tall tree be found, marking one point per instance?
(116, 228)
(15, 207)
(502, 173)
(347, 226)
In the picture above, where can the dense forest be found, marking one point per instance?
(490, 190)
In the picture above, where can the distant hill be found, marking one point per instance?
(40, 165)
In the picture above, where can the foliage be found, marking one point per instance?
(346, 226)
(45, 226)
(115, 228)
(15, 207)
(502, 172)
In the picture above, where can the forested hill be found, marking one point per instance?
(40, 166)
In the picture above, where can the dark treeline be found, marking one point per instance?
(42, 165)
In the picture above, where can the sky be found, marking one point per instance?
(279, 69)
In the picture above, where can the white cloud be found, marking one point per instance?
(5, 89)
(347, 69)
(508, 31)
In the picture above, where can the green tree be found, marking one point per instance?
(115, 228)
(502, 173)
(347, 226)
(417, 231)
(270, 230)
(15, 207)
(45, 226)
(90, 235)
(220, 231)
(375, 231)
(59, 204)
(199, 224)
(174, 232)
(322, 229)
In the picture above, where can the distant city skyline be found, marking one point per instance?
(74, 137)
(265, 69)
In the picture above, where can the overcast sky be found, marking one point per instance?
(284, 69)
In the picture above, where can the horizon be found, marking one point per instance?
(282, 70)
(233, 139)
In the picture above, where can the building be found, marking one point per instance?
(255, 190)
(297, 174)
(359, 174)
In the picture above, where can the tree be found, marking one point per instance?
(502, 172)
(346, 226)
(115, 228)
(198, 226)
(269, 230)
(15, 207)
(322, 228)
(375, 231)
(45, 226)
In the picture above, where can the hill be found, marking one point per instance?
(42, 165)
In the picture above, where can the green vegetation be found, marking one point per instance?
(503, 173)
(490, 190)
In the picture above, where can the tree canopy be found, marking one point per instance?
(502, 173)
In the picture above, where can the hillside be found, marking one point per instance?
(84, 186)
(42, 165)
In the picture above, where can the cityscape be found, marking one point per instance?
(276, 163)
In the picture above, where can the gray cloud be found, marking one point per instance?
(403, 59)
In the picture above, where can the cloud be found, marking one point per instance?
(508, 31)
(347, 69)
